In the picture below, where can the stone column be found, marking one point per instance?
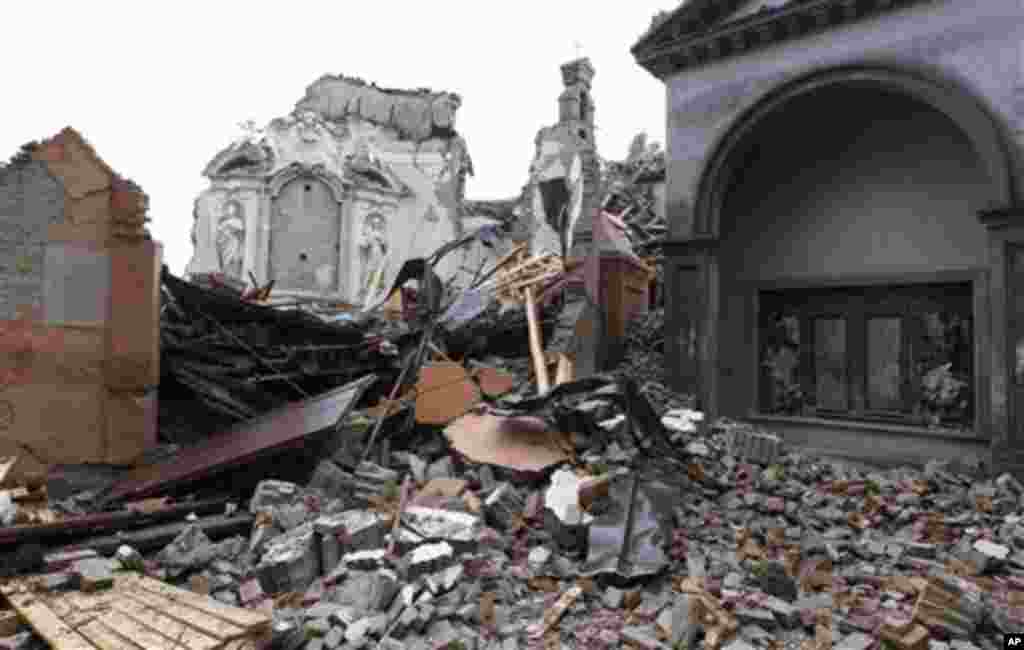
(1006, 300)
(266, 218)
(253, 207)
(691, 285)
(347, 266)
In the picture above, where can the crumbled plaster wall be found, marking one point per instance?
(30, 200)
(88, 395)
(555, 147)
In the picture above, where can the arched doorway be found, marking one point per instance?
(850, 266)
(952, 100)
(304, 236)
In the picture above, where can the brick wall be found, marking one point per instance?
(30, 200)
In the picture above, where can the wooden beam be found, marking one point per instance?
(536, 345)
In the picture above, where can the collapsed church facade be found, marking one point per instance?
(330, 200)
(844, 192)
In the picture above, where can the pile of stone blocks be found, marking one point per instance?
(754, 446)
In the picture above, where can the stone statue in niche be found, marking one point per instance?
(231, 240)
(373, 250)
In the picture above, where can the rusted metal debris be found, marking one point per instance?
(225, 360)
(125, 518)
(244, 442)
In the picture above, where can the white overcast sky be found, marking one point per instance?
(160, 87)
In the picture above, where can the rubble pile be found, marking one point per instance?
(726, 540)
(644, 362)
(453, 500)
(630, 195)
(224, 360)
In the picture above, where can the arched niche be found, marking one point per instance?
(945, 95)
(304, 247)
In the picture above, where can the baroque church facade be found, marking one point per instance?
(331, 199)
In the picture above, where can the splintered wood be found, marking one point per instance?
(518, 271)
(136, 613)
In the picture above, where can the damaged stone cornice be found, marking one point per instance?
(415, 115)
(373, 199)
(403, 92)
(692, 43)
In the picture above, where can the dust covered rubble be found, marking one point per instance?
(757, 543)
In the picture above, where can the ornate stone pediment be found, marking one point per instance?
(298, 170)
(305, 137)
(373, 177)
(241, 159)
(367, 172)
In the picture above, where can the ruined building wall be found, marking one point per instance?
(79, 372)
(556, 146)
(387, 169)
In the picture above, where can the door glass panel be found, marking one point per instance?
(884, 373)
(831, 383)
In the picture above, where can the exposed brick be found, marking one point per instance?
(74, 162)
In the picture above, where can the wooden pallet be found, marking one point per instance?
(137, 613)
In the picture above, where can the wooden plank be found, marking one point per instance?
(9, 623)
(209, 625)
(91, 602)
(6, 463)
(540, 369)
(243, 442)
(48, 625)
(104, 638)
(61, 607)
(154, 537)
(141, 634)
(183, 634)
(77, 619)
(243, 618)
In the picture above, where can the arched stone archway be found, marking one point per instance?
(944, 95)
(916, 223)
